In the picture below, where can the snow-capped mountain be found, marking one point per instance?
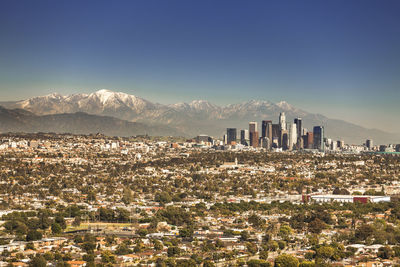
(104, 102)
(195, 105)
(198, 116)
(130, 107)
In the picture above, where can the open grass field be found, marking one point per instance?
(85, 226)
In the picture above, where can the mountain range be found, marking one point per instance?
(19, 120)
(116, 113)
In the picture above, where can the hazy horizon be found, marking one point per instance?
(210, 101)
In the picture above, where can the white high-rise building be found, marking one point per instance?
(292, 135)
(282, 121)
(334, 146)
(369, 144)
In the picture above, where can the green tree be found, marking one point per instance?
(142, 232)
(208, 263)
(316, 226)
(198, 259)
(122, 249)
(325, 252)
(385, 252)
(264, 255)
(256, 220)
(285, 231)
(281, 244)
(396, 250)
(163, 197)
(244, 235)
(38, 261)
(251, 248)
(56, 228)
(258, 263)
(77, 221)
(273, 245)
(89, 246)
(107, 257)
(127, 196)
(219, 243)
(286, 260)
(307, 264)
(173, 251)
(33, 235)
(61, 221)
(364, 231)
(158, 245)
(186, 232)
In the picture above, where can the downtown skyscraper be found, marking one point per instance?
(253, 131)
(231, 135)
(319, 143)
(282, 121)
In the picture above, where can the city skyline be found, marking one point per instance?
(336, 58)
(284, 136)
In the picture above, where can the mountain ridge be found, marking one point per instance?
(197, 116)
(20, 120)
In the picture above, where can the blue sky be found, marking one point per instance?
(340, 58)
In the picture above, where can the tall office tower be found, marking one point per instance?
(303, 142)
(282, 121)
(269, 131)
(292, 136)
(225, 139)
(334, 146)
(253, 127)
(266, 129)
(244, 137)
(319, 138)
(254, 139)
(299, 127)
(275, 142)
(328, 142)
(369, 144)
(398, 148)
(231, 136)
(276, 133)
(285, 139)
(310, 140)
(265, 143)
(340, 144)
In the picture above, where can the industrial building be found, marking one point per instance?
(345, 198)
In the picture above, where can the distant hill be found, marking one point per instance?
(190, 119)
(19, 120)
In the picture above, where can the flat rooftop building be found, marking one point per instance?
(345, 198)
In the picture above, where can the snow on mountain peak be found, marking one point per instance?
(284, 105)
(104, 91)
(110, 98)
(54, 95)
(201, 104)
(103, 95)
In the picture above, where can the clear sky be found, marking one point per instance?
(340, 58)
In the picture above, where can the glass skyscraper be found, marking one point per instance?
(318, 133)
